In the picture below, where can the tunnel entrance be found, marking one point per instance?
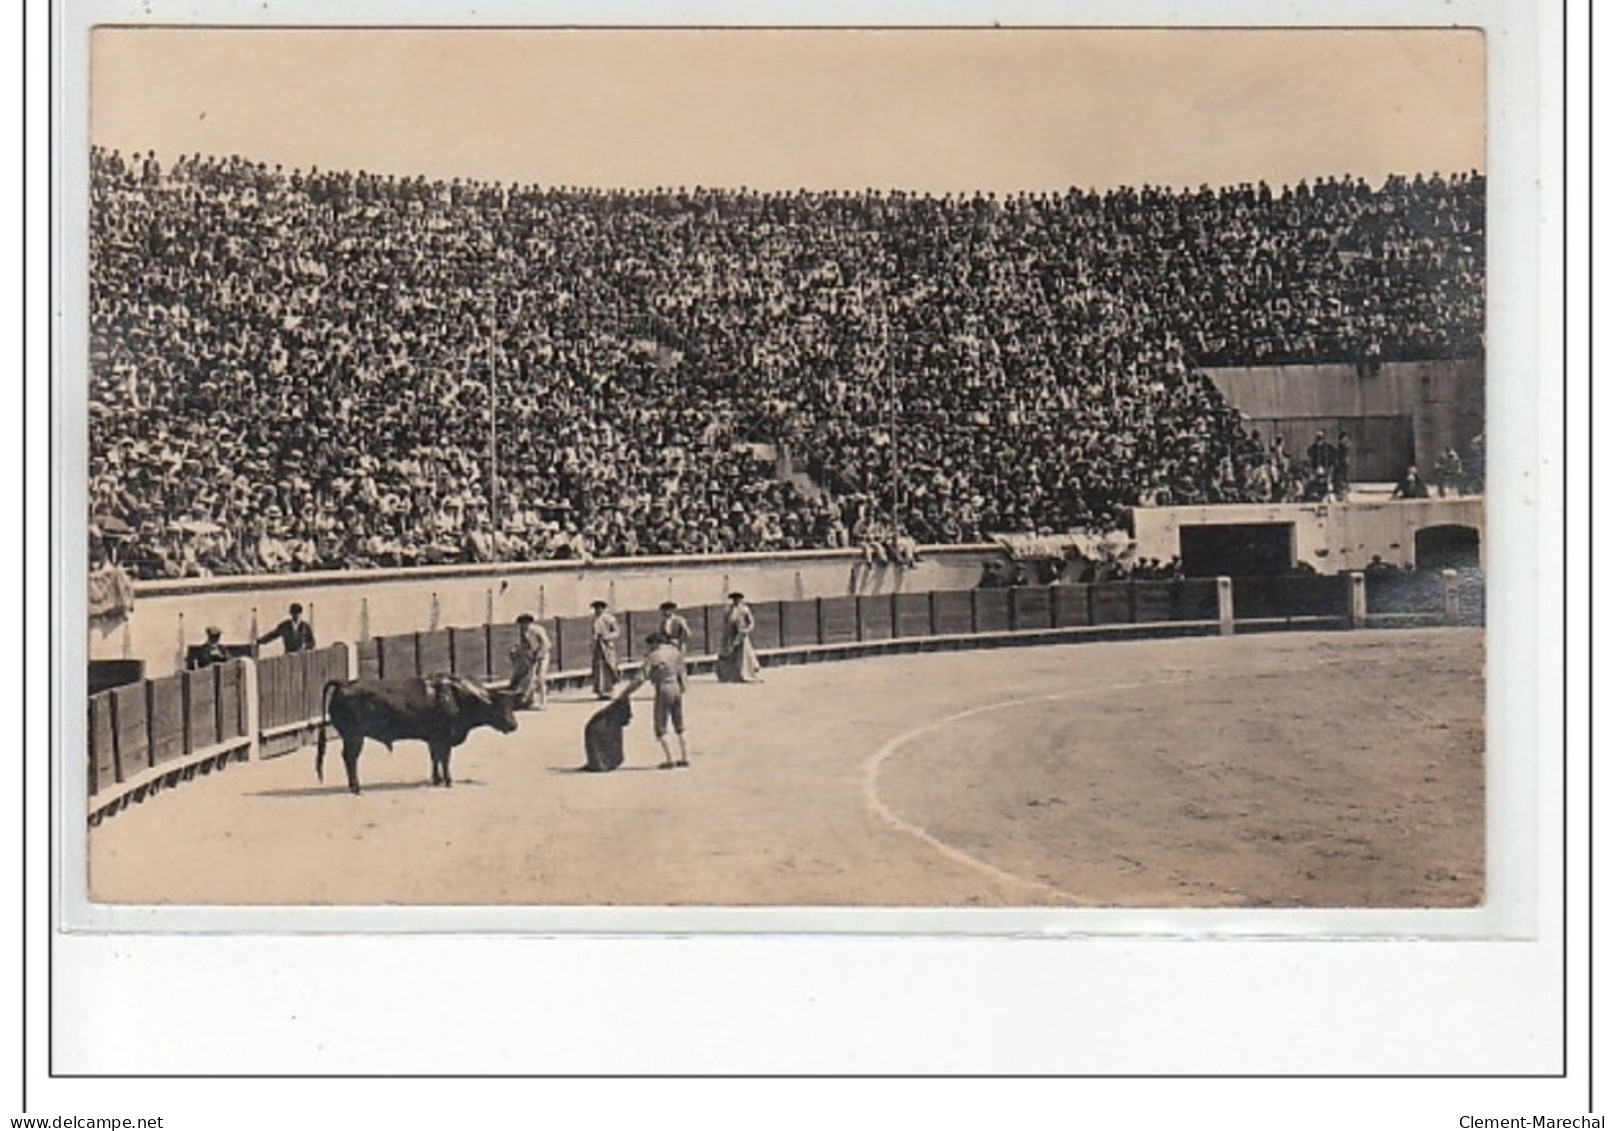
(1237, 549)
(1447, 547)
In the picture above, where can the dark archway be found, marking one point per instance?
(1237, 549)
(1447, 547)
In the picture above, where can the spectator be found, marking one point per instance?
(294, 633)
(1449, 472)
(1477, 464)
(1320, 457)
(1411, 486)
(211, 652)
(1340, 474)
(287, 367)
(905, 550)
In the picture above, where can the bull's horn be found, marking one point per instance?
(475, 690)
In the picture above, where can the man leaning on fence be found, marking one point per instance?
(294, 633)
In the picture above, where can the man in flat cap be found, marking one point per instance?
(212, 652)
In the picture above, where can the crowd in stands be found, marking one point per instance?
(295, 370)
(1079, 569)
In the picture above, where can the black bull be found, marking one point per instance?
(439, 711)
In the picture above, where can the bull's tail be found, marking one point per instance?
(325, 715)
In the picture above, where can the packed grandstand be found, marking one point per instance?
(298, 370)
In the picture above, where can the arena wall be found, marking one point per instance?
(149, 734)
(1432, 405)
(1331, 537)
(170, 616)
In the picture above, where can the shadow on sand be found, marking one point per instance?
(378, 787)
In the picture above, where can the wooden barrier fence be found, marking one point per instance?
(290, 690)
(782, 627)
(1299, 600)
(145, 735)
(148, 735)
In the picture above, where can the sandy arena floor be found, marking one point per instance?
(1315, 770)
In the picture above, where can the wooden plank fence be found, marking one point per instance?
(291, 691)
(146, 736)
(143, 736)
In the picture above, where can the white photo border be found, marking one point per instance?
(1512, 942)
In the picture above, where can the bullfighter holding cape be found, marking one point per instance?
(603, 669)
(737, 661)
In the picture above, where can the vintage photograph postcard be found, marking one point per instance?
(754, 468)
(652, 544)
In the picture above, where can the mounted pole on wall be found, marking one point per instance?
(493, 432)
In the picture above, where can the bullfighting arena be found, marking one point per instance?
(1286, 770)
